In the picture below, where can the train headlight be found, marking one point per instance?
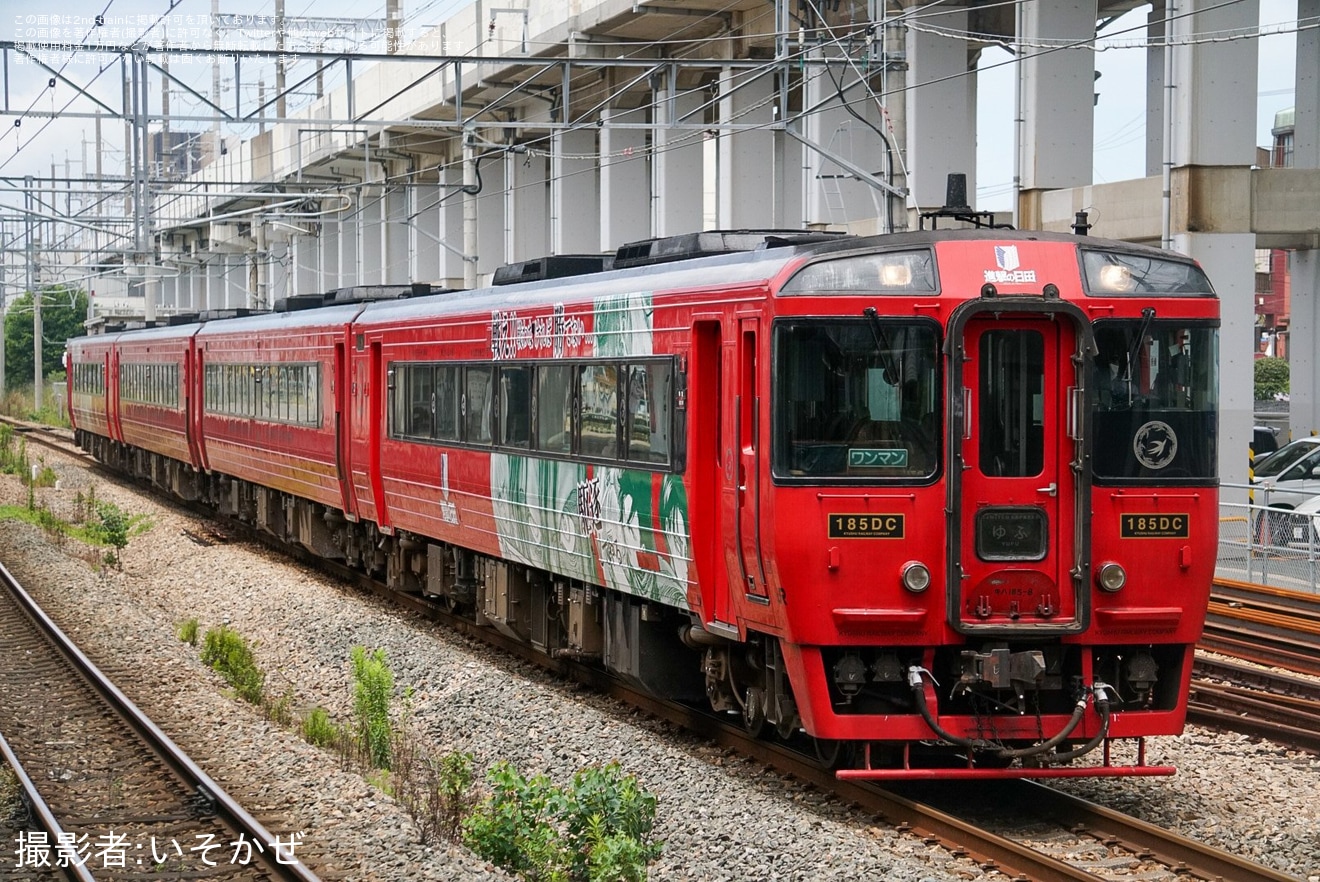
(916, 576)
(1111, 577)
(1116, 278)
(895, 275)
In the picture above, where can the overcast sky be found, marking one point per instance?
(1119, 120)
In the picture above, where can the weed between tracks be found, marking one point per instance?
(95, 523)
(598, 829)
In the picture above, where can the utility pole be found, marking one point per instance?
(280, 106)
(4, 295)
(29, 184)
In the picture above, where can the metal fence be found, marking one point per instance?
(1264, 545)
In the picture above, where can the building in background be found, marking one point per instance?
(1273, 288)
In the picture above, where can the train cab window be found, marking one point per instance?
(853, 400)
(554, 408)
(599, 409)
(477, 403)
(1011, 403)
(1154, 401)
(515, 406)
(648, 418)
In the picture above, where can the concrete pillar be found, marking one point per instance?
(424, 232)
(747, 179)
(215, 283)
(527, 207)
(398, 235)
(831, 193)
(1057, 90)
(281, 272)
(1306, 122)
(1155, 89)
(1229, 260)
(238, 290)
(304, 257)
(624, 181)
(451, 227)
(1303, 358)
(329, 256)
(1304, 266)
(490, 219)
(574, 193)
(1215, 85)
(1214, 124)
(371, 220)
(677, 164)
(350, 243)
(941, 105)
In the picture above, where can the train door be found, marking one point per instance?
(341, 381)
(359, 427)
(376, 392)
(193, 402)
(709, 466)
(747, 480)
(1017, 494)
(113, 427)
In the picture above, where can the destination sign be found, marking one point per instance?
(877, 458)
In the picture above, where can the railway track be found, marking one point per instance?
(1083, 841)
(1269, 626)
(110, 796)
(1261, 703)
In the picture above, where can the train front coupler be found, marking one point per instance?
(1040, 753)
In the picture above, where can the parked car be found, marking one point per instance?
(1282, 481)
(1300, 527)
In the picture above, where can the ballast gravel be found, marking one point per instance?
(720, 817)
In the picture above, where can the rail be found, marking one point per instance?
(284, 865)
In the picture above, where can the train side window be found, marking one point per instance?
(554, 408)
(515, 406)
(599, 409)
(314, 394)
(420, 401)
(264, 390)
(297, 383)
(446, 402)
(650, 396)
(477, 408)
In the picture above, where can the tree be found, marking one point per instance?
(63, 311)
(1271, 377)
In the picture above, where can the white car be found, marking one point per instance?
(1289, 475)
(1299, 527)
(1285, 480)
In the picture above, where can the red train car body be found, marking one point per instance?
(943, 504)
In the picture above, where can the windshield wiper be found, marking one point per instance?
(882, 345)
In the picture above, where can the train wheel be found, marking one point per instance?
(754, 711)
(828, 751)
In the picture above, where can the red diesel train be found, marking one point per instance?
(943, 504)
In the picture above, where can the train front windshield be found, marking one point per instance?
(1155, 400)
(856, 400)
